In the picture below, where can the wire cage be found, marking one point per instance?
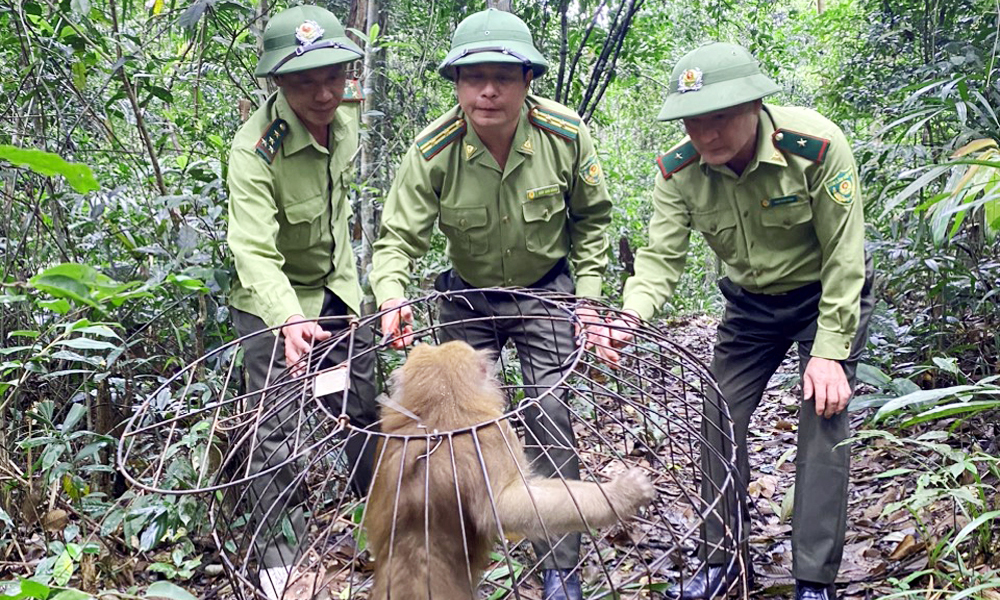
(283, 473)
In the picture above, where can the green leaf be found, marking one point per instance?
(871, 375)
(63, 569)
(76, 412)
(46, 163)
(168, 591)
(86, 344)
(921, 397)
(71, 595)
(787, 504)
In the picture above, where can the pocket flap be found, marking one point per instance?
(542, 209)
(464, 218)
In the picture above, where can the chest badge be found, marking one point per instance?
(541, 192)
(772, 202)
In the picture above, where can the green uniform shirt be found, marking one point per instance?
(288, 214)
(504, 228)
(794, 217)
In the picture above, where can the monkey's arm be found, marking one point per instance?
(565, 506)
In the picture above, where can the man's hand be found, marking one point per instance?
(620, 334)
(300, 338)
(825, 379)
(397, 325)
(598, 335)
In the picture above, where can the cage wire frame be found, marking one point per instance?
(197, 433)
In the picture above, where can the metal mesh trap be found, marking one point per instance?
(284, 471)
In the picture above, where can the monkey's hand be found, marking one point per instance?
(630, 491)
(397, 325)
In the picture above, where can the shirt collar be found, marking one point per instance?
(298, 136)
(523, 142)
(766, 151)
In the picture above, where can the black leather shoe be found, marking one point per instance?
(561, 584)
(807, 590)
(710, 581)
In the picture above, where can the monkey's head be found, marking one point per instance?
(451, 383)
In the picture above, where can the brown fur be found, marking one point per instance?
(444, 513)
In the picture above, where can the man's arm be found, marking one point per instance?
(589, 217)
(658, 265)
(253, 229)
(838, 218)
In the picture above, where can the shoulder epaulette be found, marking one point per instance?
(807, 146)
(565, 126)
(268, 144)
(676, 159)
(353, 91)
(438, 140)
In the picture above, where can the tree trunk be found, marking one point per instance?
(503, 5)
(367, 13)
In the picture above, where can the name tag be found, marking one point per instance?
(541, 192)
(778, 201)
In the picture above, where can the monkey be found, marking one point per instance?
(431, 518)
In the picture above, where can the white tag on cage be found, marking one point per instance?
(331, 381)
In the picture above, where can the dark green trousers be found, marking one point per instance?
(279, 498)
(753, 338)
(544, 342)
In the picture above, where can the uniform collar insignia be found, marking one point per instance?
(469, 151)
(527, 147)
(308, 32)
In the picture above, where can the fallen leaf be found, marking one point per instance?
(907, 547)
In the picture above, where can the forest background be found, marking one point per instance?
(115, 119)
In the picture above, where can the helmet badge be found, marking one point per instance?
(690, 80)
(308, 32)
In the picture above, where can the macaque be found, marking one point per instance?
(439, 502)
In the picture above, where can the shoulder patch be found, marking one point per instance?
(565, 126)
(268, 144)
(678, 158)
(353, 91)
(438, 140)
(807, 146)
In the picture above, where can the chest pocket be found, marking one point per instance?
(466, 228)
(545, 222)
(719, 229)
(787, 216)
(305, 222)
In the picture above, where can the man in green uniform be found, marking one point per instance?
(289, 171)
(514, 183)
(775, 193)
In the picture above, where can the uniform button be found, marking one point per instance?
(545, 212)
(507, 251)
(510, 282)
(462, 222)
(752, 244)
(746, 213)
(787, 222)
(505, 219)
(847, 345)
(712, 228)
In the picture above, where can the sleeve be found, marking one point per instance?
(405, 232)
(589, 217)
(253, 229)
(838, 218)
(659, 265)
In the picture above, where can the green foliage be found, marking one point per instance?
(46, 163)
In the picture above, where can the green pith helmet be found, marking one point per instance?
(304, 37)
(713, 77)
(492, 36)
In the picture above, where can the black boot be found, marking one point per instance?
(710, 581)
(808, 590)
(561, 584)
